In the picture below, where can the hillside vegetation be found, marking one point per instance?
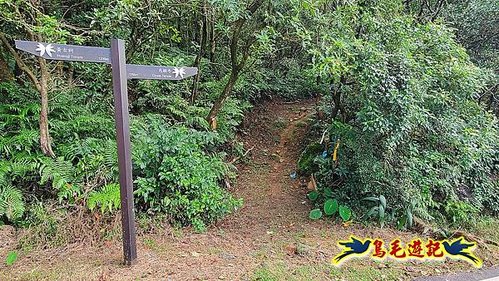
(405, 124)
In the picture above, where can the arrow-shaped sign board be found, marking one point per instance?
(54, 51)
(121, 73)
(135, 71)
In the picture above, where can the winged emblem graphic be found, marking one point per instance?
(49, 49)
(179, 72)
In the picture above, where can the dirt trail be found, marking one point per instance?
(269, 238)
(272, 199)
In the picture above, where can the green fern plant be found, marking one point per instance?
(11, 202)
(108, 198)
(22, 167)
(59, 171)
(69, 192)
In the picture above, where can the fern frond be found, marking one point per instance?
(24, 140)
(108, 198)
(59, 171)
(11, 202)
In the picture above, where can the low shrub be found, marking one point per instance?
(174, 174)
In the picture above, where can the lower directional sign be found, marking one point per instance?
(135, 71)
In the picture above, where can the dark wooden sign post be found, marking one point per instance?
(121, 73)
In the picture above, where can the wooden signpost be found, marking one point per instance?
(121, 73)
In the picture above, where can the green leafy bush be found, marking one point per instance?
(323, 200)
(306, 162)
(404, 103)
(285, 80)
(379, 208)
(175, 175)
(185, 182)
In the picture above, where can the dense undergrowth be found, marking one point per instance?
(405, 132)
(180, 160)
(406, 117)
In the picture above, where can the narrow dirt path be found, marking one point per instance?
(272, 223)
(275, 134)
(269, 238)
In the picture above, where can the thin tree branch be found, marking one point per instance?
(20, 62)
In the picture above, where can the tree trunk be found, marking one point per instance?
(236, 65)
(213, 43)
(5, 73)
(217, 105)
(45, 142)
(42, 87)
(197, 62)
(336, 105)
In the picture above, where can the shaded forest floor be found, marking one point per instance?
(269, 238)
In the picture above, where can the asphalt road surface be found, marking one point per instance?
(490, 274)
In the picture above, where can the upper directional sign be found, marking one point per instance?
(65, 52)
(159, 72)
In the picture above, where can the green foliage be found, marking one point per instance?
(345, 213)
(11, 203)
(107, 198)
(25, 17)
(306, 163)
(405, 219)
(176, 176)
(82, 127)
(330, 207)
(398, 91)
(59, 172)
(313, 195)
(324, 203)
(476, 22)
(284, 80)
(459, 212)
(11, 258)
(379, 209)
(403, 101)
(230, 117)
(87, 158)
(315, 214)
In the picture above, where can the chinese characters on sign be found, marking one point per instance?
(55, 51)
(159, 72)
(458, 249)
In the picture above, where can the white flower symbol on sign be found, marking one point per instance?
(179, 72)
(49, 49)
